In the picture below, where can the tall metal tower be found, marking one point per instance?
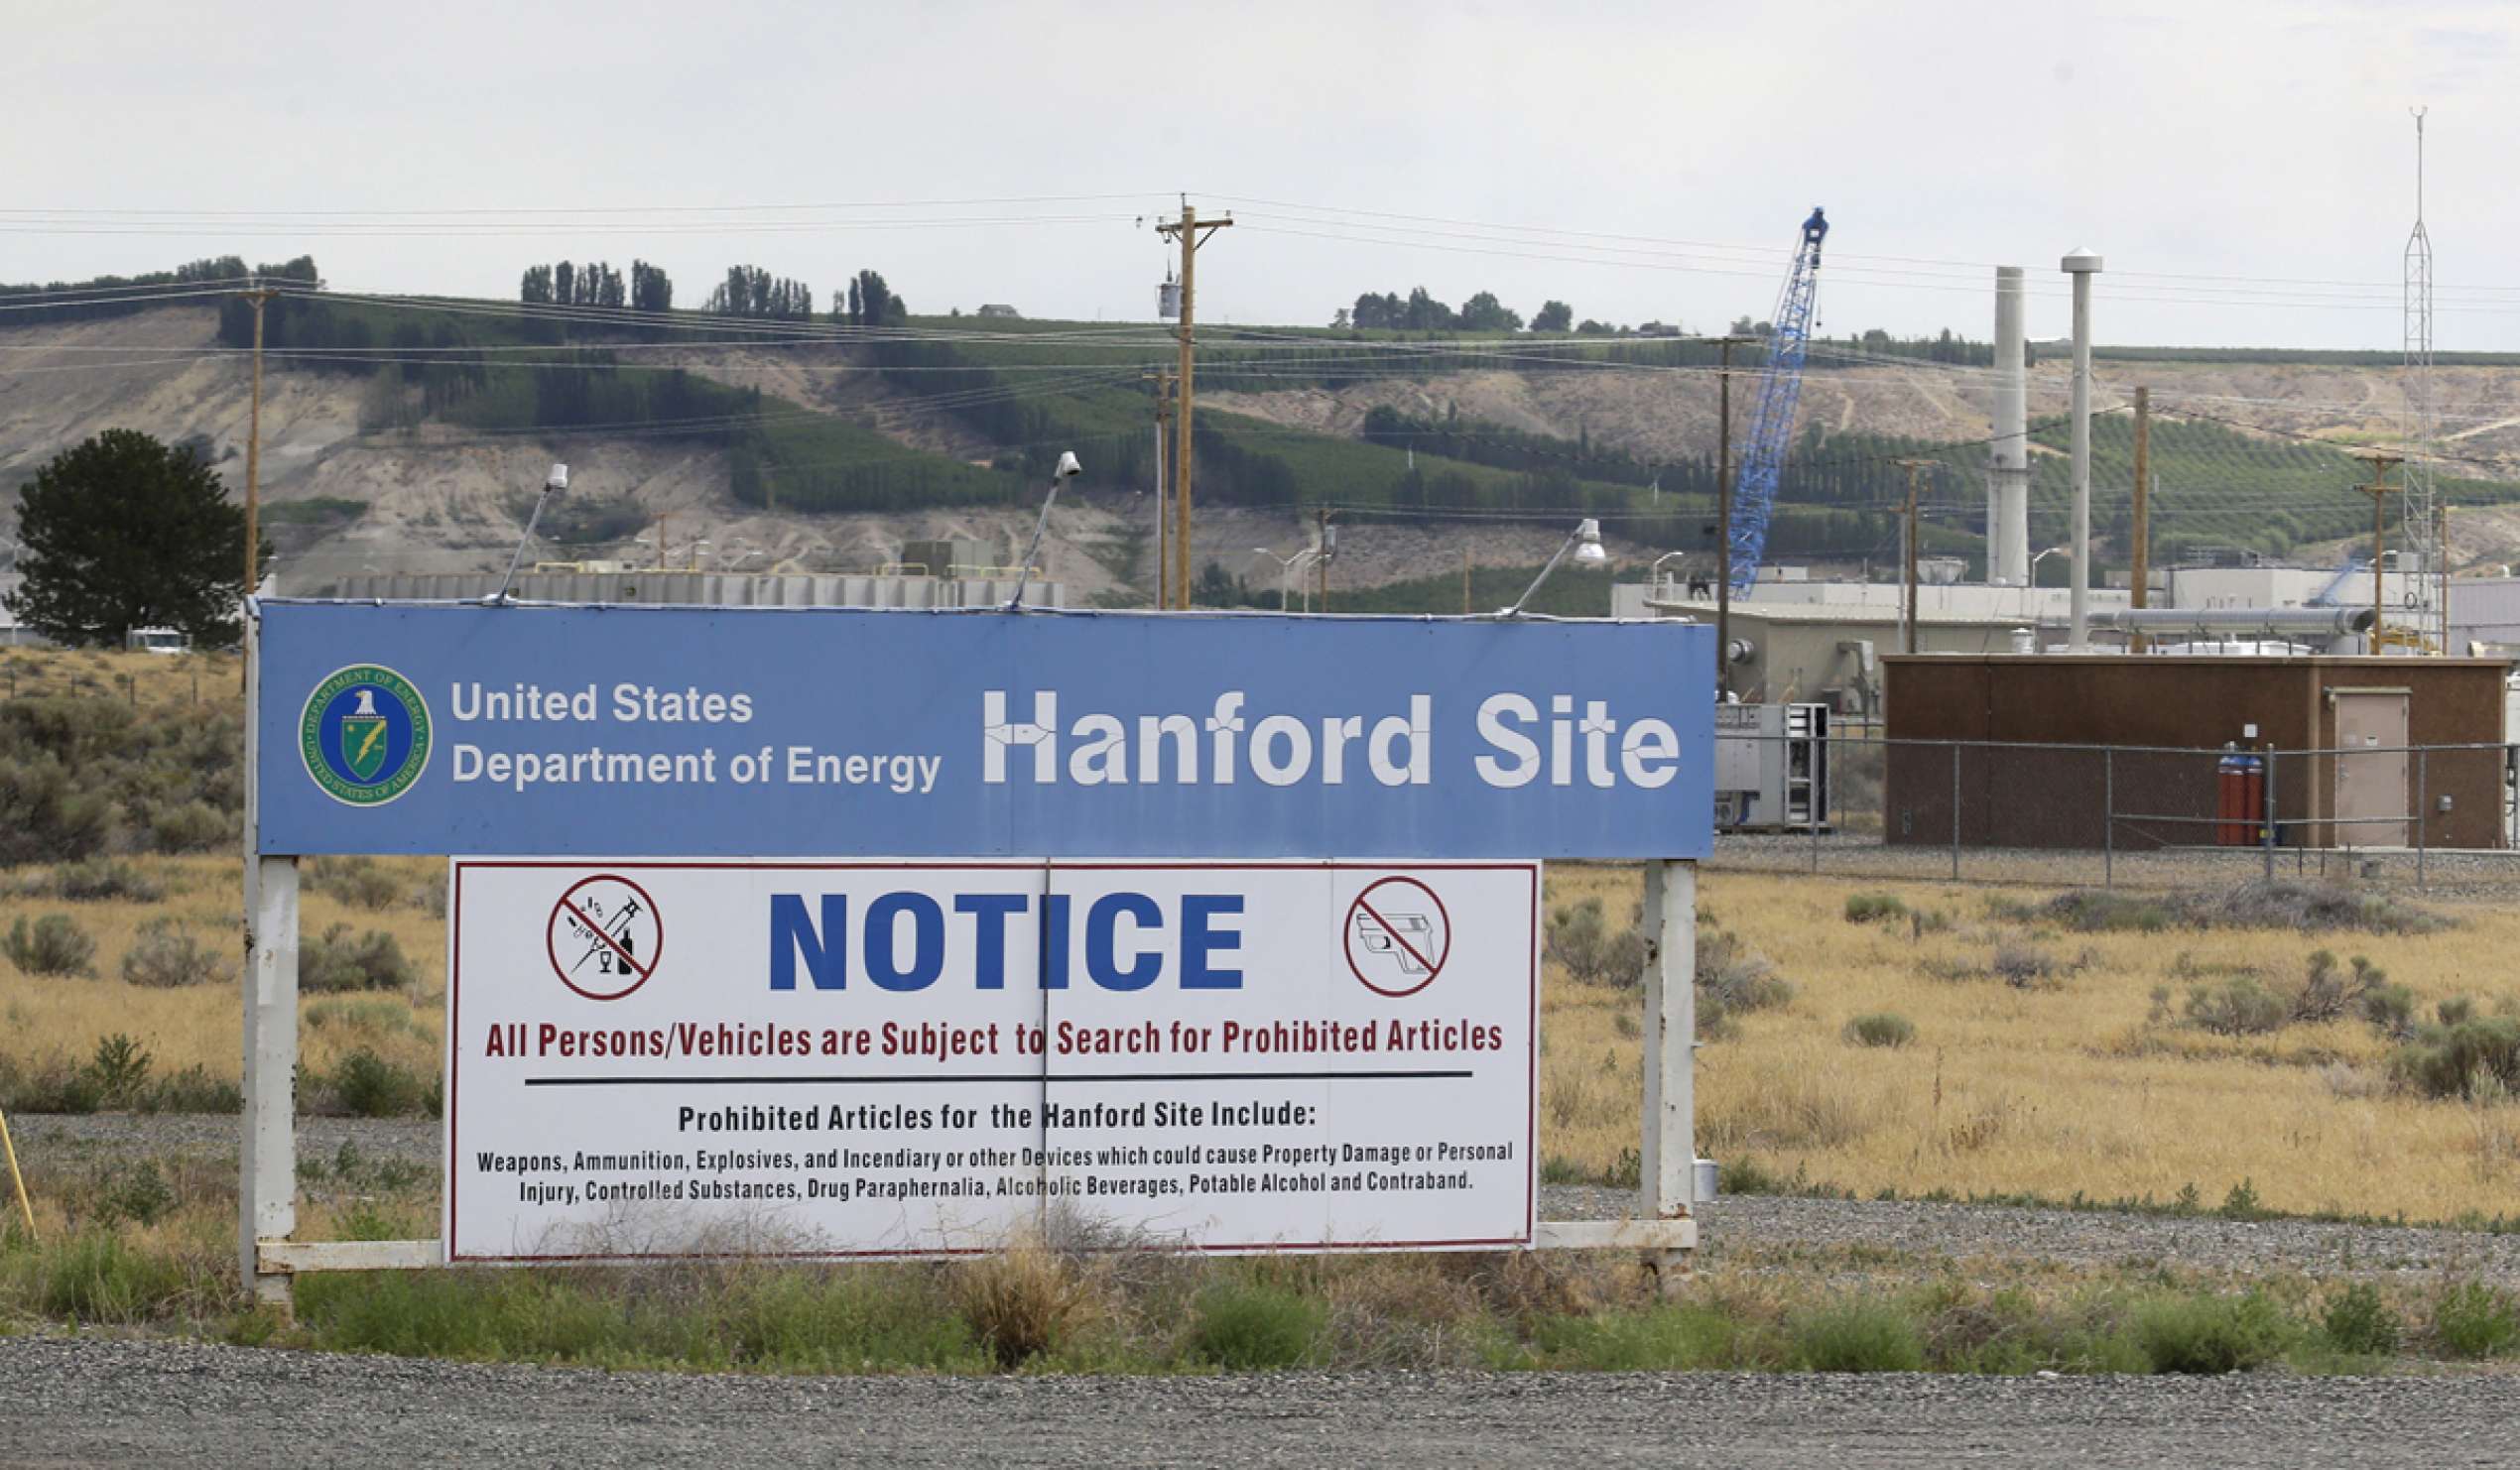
(2418, 535)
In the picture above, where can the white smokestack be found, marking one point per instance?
(2008, 460)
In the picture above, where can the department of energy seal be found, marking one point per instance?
(364, 735)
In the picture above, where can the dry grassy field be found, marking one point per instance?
(2077, 1081)
(2040, 1060)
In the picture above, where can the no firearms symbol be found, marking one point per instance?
(1397, 936)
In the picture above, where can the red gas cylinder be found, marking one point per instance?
(2240, 799)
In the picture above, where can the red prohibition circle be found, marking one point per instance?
(1434, 963)
(550, 931)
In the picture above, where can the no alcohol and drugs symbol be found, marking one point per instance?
(604, 937)
(1398, 937)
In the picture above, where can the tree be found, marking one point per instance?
(1484, 312)
(651, 290)
(536, 289)
(871, 303)
(124, 532)
(1425, 314)
(1341, 320)
(1553, 316)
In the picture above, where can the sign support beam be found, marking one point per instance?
(1668, 1153)
(267, 1138)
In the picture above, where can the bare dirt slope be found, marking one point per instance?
(1671, 413)
(442, 500)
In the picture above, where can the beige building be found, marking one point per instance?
(1824, 641)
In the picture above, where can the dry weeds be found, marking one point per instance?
(2077, 1088)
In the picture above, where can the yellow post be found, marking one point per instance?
(24, 1207)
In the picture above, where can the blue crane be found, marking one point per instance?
(1772, 420)
(2354, 563)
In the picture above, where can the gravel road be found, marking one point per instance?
(104, 1402)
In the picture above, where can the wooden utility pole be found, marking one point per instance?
(1465, 582)
(2142, 534)
(257, 295)
(2379, 490)
(1191, 234)
(1723, 521)
(1914, 468)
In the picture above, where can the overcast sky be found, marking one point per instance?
(2259, 141)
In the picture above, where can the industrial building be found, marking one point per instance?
(1794, 641)
(2166, 716)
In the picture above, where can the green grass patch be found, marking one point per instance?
(2212, 1334)
(1246, 1326)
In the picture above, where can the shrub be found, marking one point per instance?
(120, 1065)
(2475, 1320)
(1874, 908)
(2328, 994)
(191, 826)
(356, 881)
(168, 957)
(2280, 905)
(2309, 906)
(337, 962)
(2237, 1006)
(54, 944)
(1732, 981)
(2391, 1011)
(2022, 966)
(140, 1195)
(2094, 912)
(100, 878)
(192, 1090)
(2211, 1334)
(2456, 1011)
(1021, 1302)
(1247, 1326)
(1881, 1029)
(54, 1085)
(366, 1086)
(2358, 1321)
(2456, 1060)
(47, 814)
(1582, 941)
(1856, 1337)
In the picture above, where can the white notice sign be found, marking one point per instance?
(861, 1058)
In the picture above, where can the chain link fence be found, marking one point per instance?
(1861, 804)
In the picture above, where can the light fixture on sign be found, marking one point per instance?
(553, 484)
(1067, 470)
(1585, 542)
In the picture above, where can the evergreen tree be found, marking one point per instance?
(124, 532)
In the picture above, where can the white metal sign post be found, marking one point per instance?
(852, 935)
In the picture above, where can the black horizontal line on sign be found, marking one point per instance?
(1380, 1076)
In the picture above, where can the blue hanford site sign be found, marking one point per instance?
(698, 732)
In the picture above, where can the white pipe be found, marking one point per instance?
(2008, 463)
(2203, 622)
(2082, 265)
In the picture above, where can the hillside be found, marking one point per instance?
(409, 436)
